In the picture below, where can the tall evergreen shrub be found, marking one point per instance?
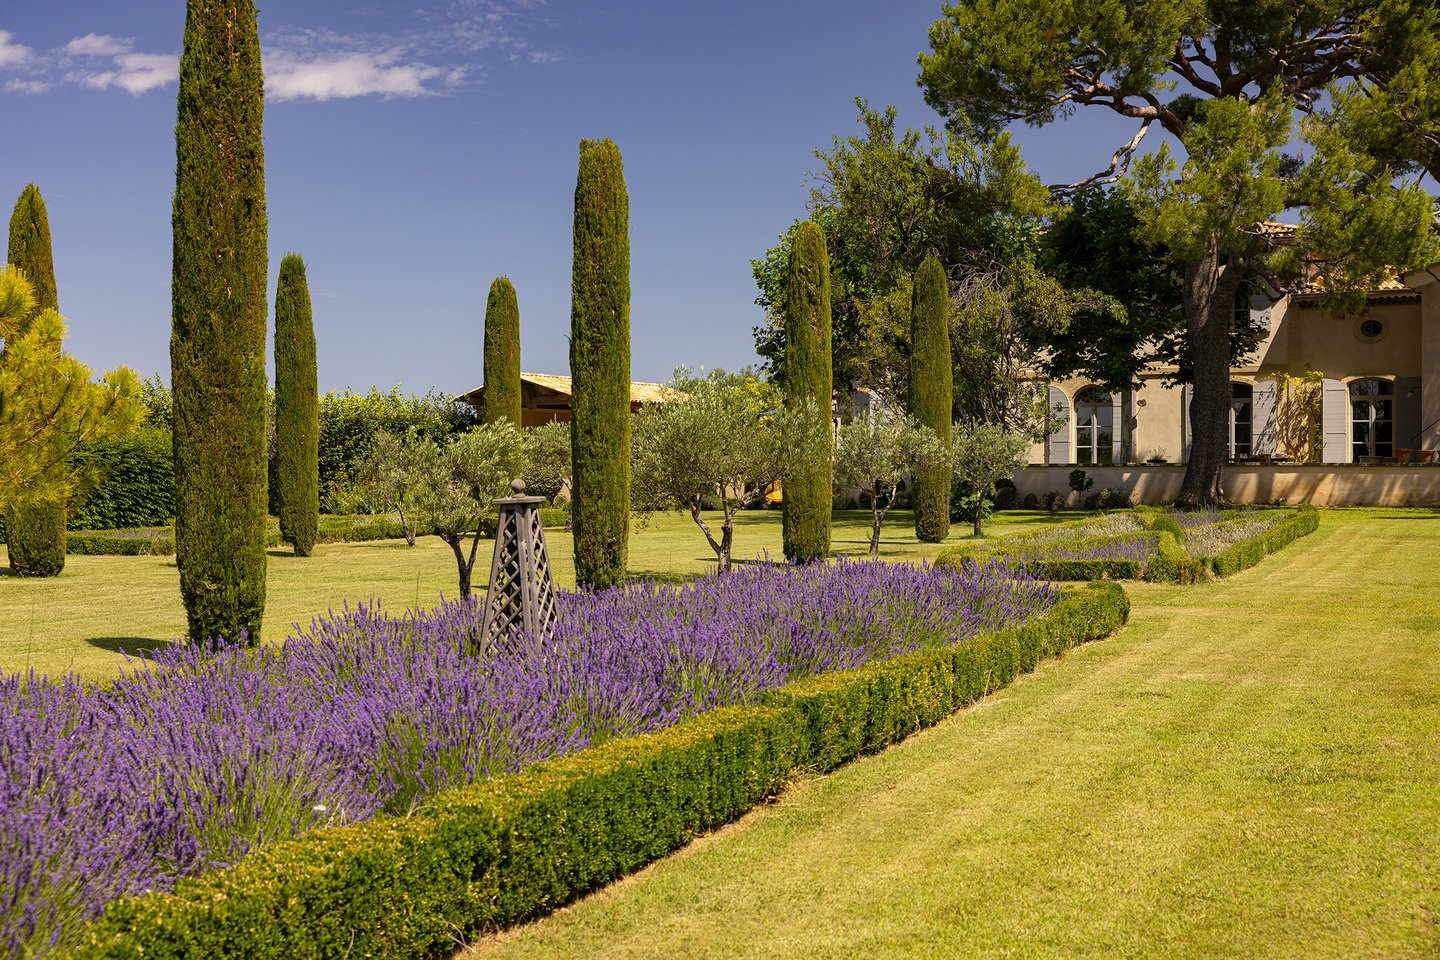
(932, 394)
(502, 355)
(297, 409)
(600, 366)
(217, 342)
(35, 529)
(808, 379)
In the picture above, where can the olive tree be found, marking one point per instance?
(718, 443)
(983, 453)
(876, 454)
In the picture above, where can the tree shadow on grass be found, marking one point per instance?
(130, 645)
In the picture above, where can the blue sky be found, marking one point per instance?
(413, 154)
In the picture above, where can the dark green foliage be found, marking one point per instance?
(600, 367)
(932, 394)
(516, 847)
(30, 246)
(217, 344)
(350, 421)
(502, 355)
(808, 380)
(126, 482)
(37, 548)
(35, 539)
(297, 408)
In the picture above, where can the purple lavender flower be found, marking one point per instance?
(190, 760)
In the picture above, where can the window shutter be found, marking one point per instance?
(1407, 413)
(1185, 396)
(1117, 428)
(1263, 436)
(1334, 421)
(1058, 445)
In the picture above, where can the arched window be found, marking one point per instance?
(1372, 419)
(1094, 427)
(1242, 408)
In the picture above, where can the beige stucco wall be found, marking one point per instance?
(1344, 485)
(1332, 344)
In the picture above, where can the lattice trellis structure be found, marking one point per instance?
(521, 594)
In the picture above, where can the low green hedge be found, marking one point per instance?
(515, 847)
(1033, 562)
(1247, 553)
(1171, 564)
(88, 542)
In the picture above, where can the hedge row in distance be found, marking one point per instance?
(515, 847)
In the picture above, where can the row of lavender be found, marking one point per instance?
(202, 755)
(1144, 542)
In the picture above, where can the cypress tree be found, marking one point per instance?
(502, 355)
(932, 393)
(217, 340)
(600, 367)
(35, 530)
(297, 409)
(808, 378)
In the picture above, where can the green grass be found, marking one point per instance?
(1250, 769)
(101, 605)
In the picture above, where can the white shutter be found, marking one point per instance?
(1186, 395)
(1264, 440)
(1058, 445)
(1335, 421)
(1117, 428)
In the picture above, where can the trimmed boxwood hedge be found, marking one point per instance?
(515, 847)
(160, 541)
(1170, 564)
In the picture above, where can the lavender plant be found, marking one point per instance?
(189, 761)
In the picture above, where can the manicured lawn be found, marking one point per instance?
(1250, 769)
(100, 605)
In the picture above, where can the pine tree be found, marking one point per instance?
(932, 394)
(297, 409)
(217, 342)
(808, 381)
(502, 355)
(35, 529)
(600, 366)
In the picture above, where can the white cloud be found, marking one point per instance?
(134, 72)
(97, 45)
(435, 50)
(13, 54)
(26, 86)
(330, 76)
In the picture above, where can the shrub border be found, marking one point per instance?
(518, 846)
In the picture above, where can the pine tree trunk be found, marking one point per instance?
(1209, 292)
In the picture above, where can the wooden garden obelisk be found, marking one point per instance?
(521, 595)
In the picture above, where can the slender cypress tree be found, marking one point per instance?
(35, 530)
(217, 341)
(932, 394)
(808, 378)
(297, 409)
(502, 355)
(600, 366)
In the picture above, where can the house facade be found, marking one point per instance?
(1330, 408)
(545, 397)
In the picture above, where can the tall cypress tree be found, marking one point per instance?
(217, 340)
(35, 530)
(932, 394)
(600, 366)
(808, 379)
(297, 409)
(501, 399)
